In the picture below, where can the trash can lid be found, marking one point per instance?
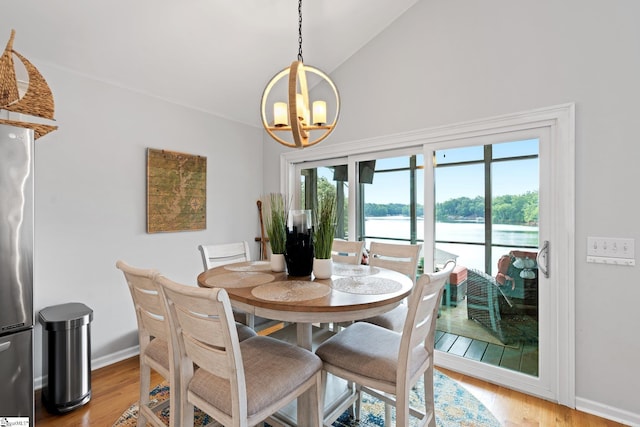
(65, 316)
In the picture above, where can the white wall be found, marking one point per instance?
(447, 61)
(91, 199)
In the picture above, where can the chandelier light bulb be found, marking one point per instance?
(280, 114)
(319, 113)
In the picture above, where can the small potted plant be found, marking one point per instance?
(324, 232)
(276, 228)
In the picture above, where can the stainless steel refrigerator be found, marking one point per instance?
(16, 273)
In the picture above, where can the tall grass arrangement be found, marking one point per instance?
(325, 228)
(276, 222)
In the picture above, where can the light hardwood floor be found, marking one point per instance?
(115, 387)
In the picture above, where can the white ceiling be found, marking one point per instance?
(212, 55)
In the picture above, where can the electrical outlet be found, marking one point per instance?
(611, 247)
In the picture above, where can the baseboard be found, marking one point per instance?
(608, 412)
(101, 362)
(109, 359)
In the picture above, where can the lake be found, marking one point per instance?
(511, 236)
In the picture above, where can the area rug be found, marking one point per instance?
(455, 407)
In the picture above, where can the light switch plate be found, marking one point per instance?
(611, 250)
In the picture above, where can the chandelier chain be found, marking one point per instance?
(300, 31)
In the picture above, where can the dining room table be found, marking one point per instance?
(354, 292)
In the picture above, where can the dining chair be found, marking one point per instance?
(347, 252)
(224, 253)
(236, 383)
(400, 258)
(387, 364)
(156, 351)
(216, 255)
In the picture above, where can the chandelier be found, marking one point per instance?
(294, 124)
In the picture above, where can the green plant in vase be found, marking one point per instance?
(323, 234)
(276, 228)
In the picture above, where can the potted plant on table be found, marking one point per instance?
(324, 232)
(276, 228)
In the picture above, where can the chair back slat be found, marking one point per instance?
(400, 258)
(206, 327)
(149, 300)
(153, 325)
(347, 252)
(222, 254)
(213, 359)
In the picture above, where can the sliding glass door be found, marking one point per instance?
(490, 195)
(487, 218)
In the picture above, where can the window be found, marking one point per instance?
(479, 232)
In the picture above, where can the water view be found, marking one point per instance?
(510, 236)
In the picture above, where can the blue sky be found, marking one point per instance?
(510, 177)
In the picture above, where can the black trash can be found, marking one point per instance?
(66, 356)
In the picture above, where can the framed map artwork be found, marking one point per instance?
(176, 191)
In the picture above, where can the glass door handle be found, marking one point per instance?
(543, 259)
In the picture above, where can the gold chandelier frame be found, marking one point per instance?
(297, 85)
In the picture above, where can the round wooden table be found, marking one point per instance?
(354, 292)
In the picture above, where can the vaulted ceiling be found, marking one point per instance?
(212, 55)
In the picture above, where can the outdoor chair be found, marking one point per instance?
(489, 305)
(517, 276)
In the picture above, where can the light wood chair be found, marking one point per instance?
(236, 383)
(400, 258)
(156, 351)
(347, 252)
(228, 253)
(225, 253)
(389, 369)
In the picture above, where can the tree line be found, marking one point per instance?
(507, 209)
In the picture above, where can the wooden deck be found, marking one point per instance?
(522, 358)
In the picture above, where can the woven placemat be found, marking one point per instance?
(239, 279)
(353, 270)
(366, 285)
(249, 266)
(291, 291)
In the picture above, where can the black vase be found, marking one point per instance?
(299, 252)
